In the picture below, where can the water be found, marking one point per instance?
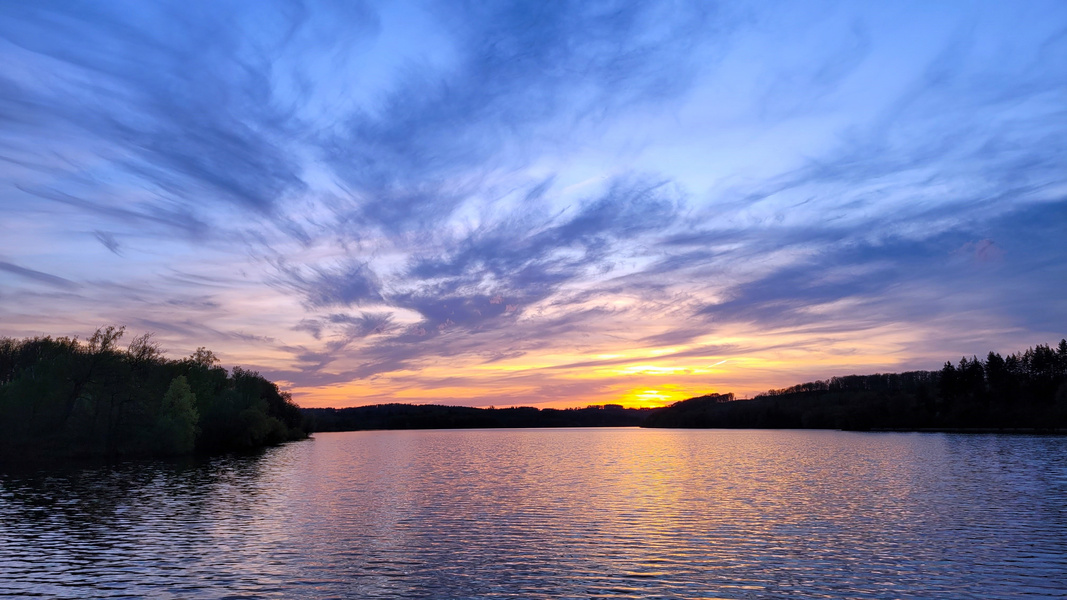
(570, 513)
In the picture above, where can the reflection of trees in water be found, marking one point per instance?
(142, 528)
(82, 500)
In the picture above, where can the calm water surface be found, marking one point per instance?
(583, 513)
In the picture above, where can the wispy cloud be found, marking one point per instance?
(523, 76)
(38, 276)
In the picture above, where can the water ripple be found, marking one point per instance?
(554, 514)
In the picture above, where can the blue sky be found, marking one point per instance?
(537, 203)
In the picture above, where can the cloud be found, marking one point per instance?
(533, 254)
(520, 72)
(167, 219)
(39, 276)
(982, 251)
(806, 79)
(170, 99)
(312, 326)
(108, 240)
(862, 283)
(348, 284)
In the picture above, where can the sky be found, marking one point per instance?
(537, 203)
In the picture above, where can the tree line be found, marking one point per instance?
(434, 416)
(1025, 390)
(65, 397)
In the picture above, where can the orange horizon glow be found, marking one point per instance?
(647, 377)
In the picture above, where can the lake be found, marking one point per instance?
(560, 513)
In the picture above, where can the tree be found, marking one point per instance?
(996, 373)
(177, 423)
(104, 339)
(949, 383)
(204, 357)
(142, 349)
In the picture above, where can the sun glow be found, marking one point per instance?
(652, 398)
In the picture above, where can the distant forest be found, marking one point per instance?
(433, 416)
(1026, 390)
(63, 397)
